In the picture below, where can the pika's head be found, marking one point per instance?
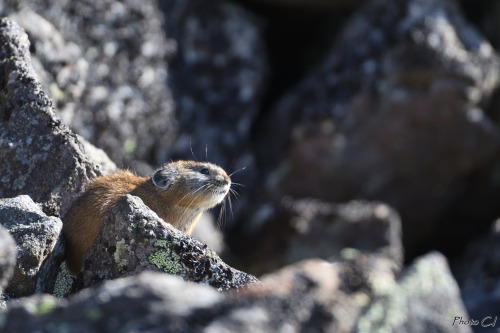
(195, 184)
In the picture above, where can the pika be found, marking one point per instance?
(179, 192)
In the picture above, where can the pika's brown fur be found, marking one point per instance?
(179, 192)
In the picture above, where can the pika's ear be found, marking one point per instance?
(162, 178)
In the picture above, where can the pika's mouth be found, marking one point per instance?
(218, 188)
(222, 189)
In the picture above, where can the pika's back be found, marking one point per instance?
(178, 192)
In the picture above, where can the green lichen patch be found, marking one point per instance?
(165, 259)
(161, 243)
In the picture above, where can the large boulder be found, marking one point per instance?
(301, 229)
(479, 278)
(394, 113)
(134, 239)
(104, 64)
(40, 156)
(36, 236)
(7, 261)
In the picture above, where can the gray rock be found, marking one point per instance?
(393, 114)
(7, 262)
(359, 294)
(49, 272)
(7, 257)
(325, 230)
(150, 302)
(134, 239)
(41, 157)
(36, 235)
(426, 298)
(301, 229)
(479, 278)
(104, 64)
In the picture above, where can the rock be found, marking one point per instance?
(134, 239)
(7, 257)
(426, 298)
(325, 230)
(47, 279)
(312, 296)
(218, 78)
(393, 114)
(105, 66)
(36, 235)
(307, 228)
(116, 305)
(478, 276)
(7, 262)
(41, 157)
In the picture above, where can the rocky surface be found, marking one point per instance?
(479, 278)
(27, 222)
(36, 235)
(311, 296)
(394, 113)
(7, 261)
(104, 65)
(302, 229)
(41, 157)
(134, 239)
(400, 116)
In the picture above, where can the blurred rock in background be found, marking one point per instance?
(395, 112)
(104, 65)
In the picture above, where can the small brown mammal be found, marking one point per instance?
(179, 192)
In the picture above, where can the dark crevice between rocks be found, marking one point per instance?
(476, 203)
(291, 50)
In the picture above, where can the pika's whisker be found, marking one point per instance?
(220, 219)
(230, 207)
(192, 153)
(240, 169)
(204, 185)
(188, 207)
(233, 192)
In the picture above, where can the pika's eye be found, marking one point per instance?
(205, 171)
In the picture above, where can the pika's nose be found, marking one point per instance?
(220, 179)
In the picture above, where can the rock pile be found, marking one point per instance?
(382, 153)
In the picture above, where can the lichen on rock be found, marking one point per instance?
(165, 258)
(134, 239)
